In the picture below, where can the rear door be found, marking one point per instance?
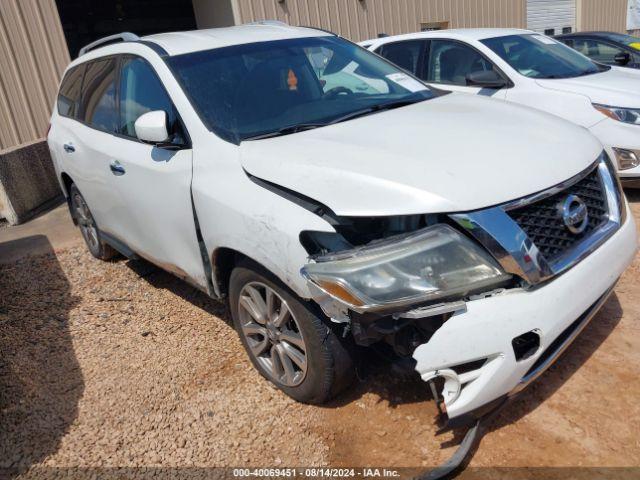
(406, 54)
(87, 137)
(152, 186)
(63, 137)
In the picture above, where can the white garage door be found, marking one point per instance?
(552, 17)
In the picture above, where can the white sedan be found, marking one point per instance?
(531, 69)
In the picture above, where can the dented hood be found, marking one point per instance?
(456, 152)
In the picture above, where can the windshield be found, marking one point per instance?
(255, 89)
(537, 56)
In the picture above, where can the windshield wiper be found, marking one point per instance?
(581, 74)
(358, 113)
(300, 127)
(375, 109)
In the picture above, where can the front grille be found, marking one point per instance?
(542, 221)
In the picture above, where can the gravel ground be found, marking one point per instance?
(120, 364)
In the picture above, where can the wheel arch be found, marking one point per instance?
(225, 259)
(66, 181)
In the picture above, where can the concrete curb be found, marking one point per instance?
(27, 181)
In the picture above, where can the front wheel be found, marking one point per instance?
(287, 341)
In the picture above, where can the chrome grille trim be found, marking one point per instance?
(514, 250)
(536, 197)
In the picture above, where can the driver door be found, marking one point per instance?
(152, 186)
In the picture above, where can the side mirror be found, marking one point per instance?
(622, 58)
(151, 127)
(486, 79)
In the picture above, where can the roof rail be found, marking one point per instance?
(118, 37)
(269, 22)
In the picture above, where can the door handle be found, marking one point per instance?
(69, 148)
(116, 168)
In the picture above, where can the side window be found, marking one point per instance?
(405, 54)
(99, 108)
(451, 62)
(606, 53)
(598, 51)
(69, 95)
(141, 91)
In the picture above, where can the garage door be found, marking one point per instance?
(552, 17)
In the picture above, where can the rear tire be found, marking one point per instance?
(88, 227)
(289, 341)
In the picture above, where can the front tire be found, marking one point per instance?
(88, 227)
(288, 342)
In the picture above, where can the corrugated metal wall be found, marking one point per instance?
(608, 15)
(551, 14)
(33, 55)
(363, 19)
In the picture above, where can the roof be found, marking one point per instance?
(582, 34)
(460, 33)
(177, 43)
(615, 36)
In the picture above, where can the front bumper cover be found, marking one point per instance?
(486, 329)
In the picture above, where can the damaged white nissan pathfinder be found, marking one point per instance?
(336, 201)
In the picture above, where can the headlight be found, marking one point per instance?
(426, 265)
(625, 115)
(626, 158)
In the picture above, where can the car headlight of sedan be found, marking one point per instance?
(430, 264)
(625, 115)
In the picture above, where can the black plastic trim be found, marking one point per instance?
(212, 288)
(120, 246)
(155, 47)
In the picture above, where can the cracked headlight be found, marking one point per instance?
(432, 263)
(625, 115)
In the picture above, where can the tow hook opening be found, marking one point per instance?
(526, 345)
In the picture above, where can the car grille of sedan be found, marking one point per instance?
(542, 220)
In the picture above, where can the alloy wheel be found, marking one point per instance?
(272, 334)
(86, 222)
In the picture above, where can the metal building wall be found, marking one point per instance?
(33, 55)
(363, 19)
(608, 15)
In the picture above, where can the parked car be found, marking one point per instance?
(530, 69)
(609, 48)
(475, 238)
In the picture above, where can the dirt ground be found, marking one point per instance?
(121, 364)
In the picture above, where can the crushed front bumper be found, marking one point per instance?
(557, 310)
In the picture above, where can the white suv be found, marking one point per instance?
(524, 67)
(335, 201)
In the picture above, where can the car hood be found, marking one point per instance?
(616, 87)
(456, 152)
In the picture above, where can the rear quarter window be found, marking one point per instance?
(69, 94)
